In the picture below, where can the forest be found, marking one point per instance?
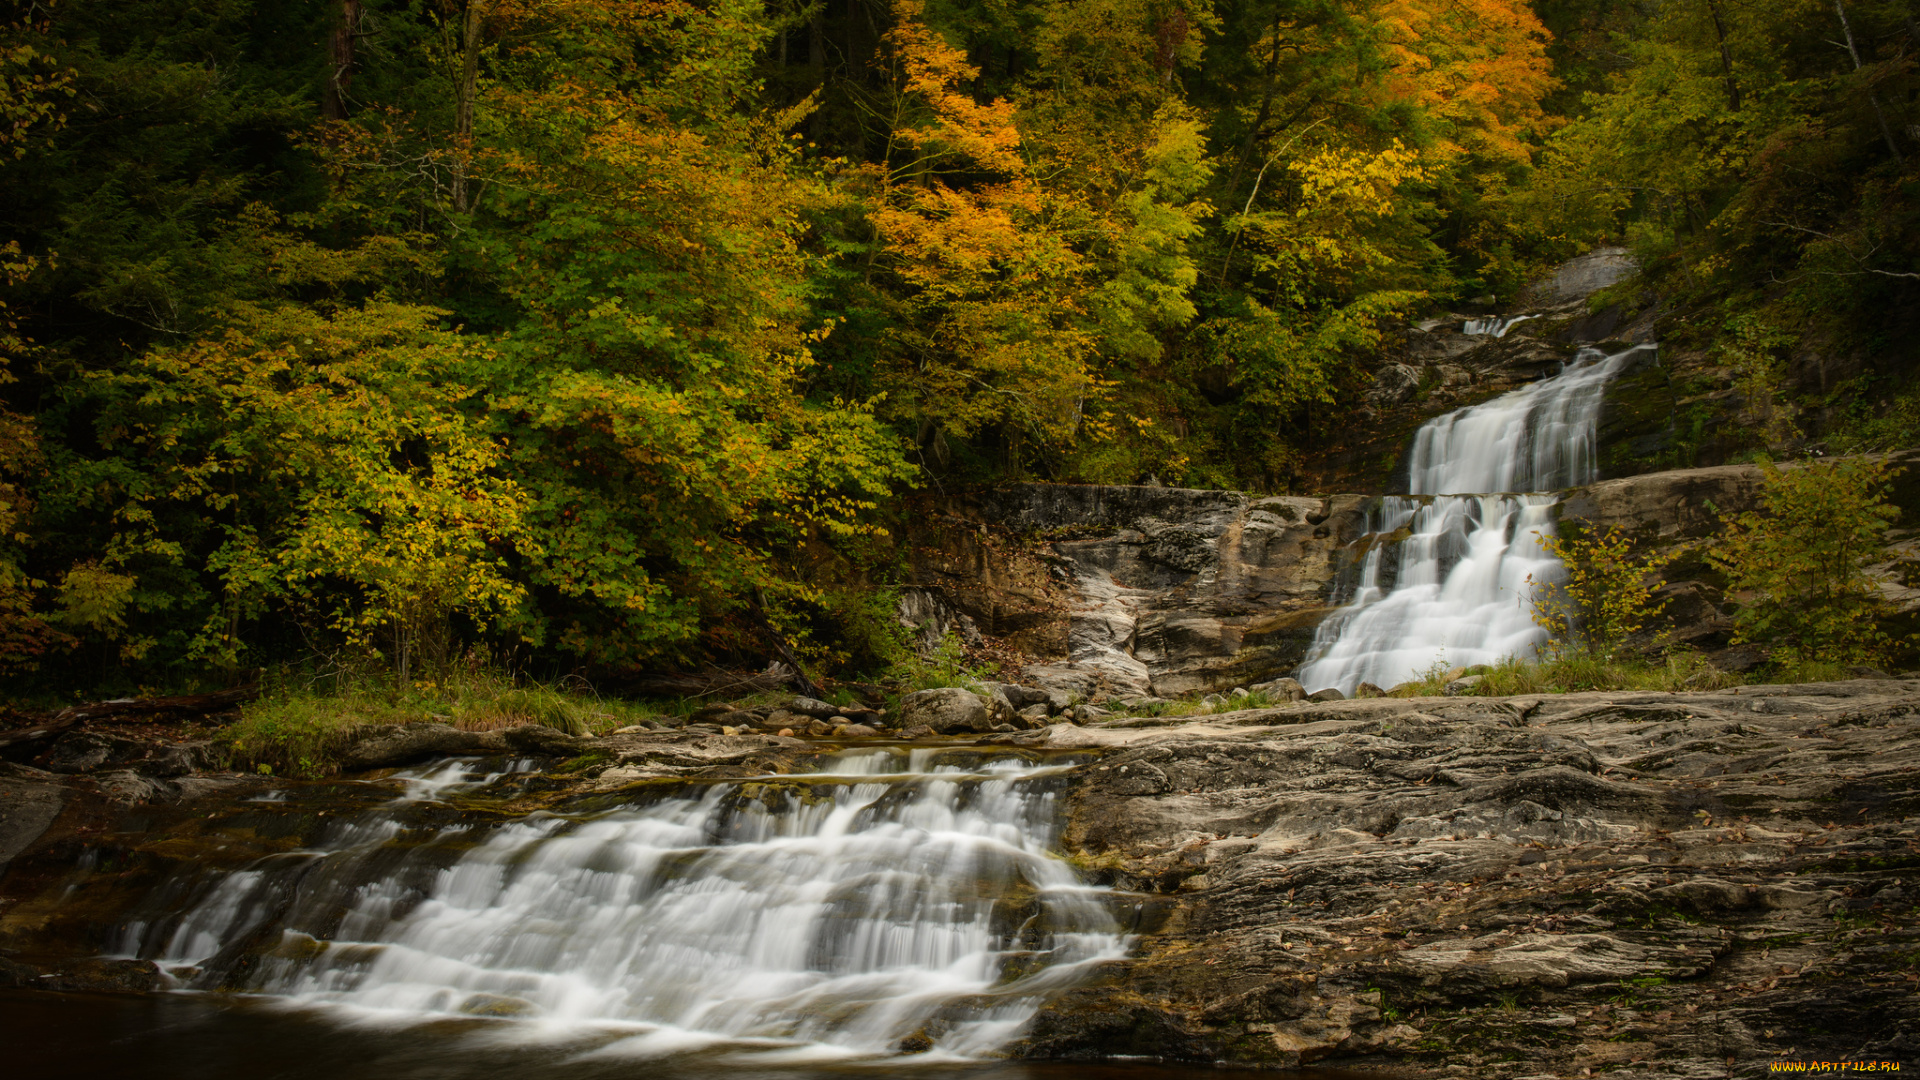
(596, 335)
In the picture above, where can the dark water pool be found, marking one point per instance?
(197, 1037)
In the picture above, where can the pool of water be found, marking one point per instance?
(217, 1037)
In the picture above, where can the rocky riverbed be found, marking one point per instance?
(1635, 883)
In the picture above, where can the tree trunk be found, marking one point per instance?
(1840, 9)
(1726, 57)
(473, 27)
(333, 102)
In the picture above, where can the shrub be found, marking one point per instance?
(1801, 561)
(1607, 595)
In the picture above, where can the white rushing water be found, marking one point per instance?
(887, 898)
(1445, 576)
(1494, 327)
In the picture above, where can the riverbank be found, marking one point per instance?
(1642, 883)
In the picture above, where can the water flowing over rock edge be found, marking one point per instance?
(1648, 882)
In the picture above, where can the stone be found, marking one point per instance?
(1331, 693)
(806, 706)
(779, 718)
(947, 711)
(1427, 848)
(543, 741)
(1034, 716)
(1213, 699)
(819, 729)
(1021, 697)
(918, 731)
(785, 733)
(388, 745)
(1465, 684)
(855, 731)
(1368, 690)
(1283, 689)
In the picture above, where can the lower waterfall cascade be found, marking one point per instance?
(1444, 578)
(895, 900)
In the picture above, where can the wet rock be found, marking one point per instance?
(388, 745)
(92, 751)
(30, 800)
(96, 975)
(819, 729)
(855, 731)
(806, 706)
(1034, 716)
(947, 711)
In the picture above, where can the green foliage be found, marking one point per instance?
(1606, 595)
(1798, 563)
(1575, 671)
(301, 727)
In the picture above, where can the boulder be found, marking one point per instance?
(387, 745)
(946, 711)
(1285, 689)
(1023, 698)
(1368, 690)
(806, 706)
(542, 741)
(1329, 694)
(1034, 716)
(855, 731)
(1465, 684)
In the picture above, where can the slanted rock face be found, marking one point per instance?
(1165, 591)
(1157, 591)
(1716, 879)
(946, 711)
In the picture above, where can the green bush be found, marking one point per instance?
(1607, 595)
(1798, 564)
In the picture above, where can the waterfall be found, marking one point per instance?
(1494, 327)
(1443, 578)
(894, 900)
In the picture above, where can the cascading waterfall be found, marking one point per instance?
(896, 895)
(1445, 575)
(1493, 327)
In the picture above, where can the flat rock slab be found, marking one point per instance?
(1518, 886)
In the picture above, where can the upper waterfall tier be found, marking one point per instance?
(1537, 438)
(1446, 579)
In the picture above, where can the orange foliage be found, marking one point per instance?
(1480, 66)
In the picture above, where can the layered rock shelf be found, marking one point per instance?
(1639, 883)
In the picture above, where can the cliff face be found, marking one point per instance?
(1166, 591)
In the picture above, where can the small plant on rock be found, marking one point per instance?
(1607, 595)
